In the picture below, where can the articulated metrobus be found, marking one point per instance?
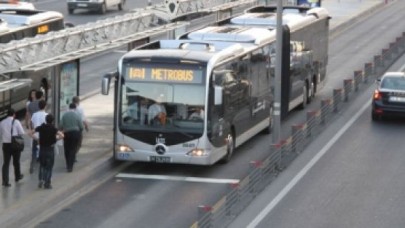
(17, 24)
(192, 102)
(159, 94)
(305, 47)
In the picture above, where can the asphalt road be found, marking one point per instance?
(136, 202)
(358, 182)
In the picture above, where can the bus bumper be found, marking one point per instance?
(179, 158)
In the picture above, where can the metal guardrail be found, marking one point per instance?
(17, 55)
(262, 173)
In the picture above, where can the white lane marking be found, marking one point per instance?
(178, 178)
(120, 51)
(302, 173)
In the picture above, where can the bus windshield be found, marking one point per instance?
(166, 107)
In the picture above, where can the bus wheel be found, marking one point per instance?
(121, 5)
(70, 11)
(268, 129)
(311, 93)
(304, 97)
(103, 9)
(230, 148)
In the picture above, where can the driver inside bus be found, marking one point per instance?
(137, 109)
(198, 114)
(157, 112)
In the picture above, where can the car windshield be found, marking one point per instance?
(394, 83)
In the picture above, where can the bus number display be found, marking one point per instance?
(164, 75)
(43, 29)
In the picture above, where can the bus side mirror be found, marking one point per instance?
(105, 82)
(218, 95)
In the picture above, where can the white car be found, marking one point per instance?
(16, 5)
(100, 6)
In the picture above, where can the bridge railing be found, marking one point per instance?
(88, 39)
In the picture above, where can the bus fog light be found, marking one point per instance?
(123, 148)
(197, 153)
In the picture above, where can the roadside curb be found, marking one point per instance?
(105, 169)
(45, 206)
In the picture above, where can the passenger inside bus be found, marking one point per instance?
(157, 112)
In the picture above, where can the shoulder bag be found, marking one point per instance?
(17, 141)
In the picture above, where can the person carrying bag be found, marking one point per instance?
(8, 127)
(17, 141)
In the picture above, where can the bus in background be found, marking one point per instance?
(22, 23)
(190, 102)
(17, 24)
(305, 48)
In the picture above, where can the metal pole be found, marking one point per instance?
(277, 81)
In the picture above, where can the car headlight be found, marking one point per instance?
(197, 152)
(123, 148)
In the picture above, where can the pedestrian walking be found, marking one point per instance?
(31, 98)
(71, 125)
(80, 112)
(48, 135)
(37, 119)
(33, 107)
(10, 127)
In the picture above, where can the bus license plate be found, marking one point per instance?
(82, 5)
(123, 156)
(159, 159)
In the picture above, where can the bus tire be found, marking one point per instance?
(121, 5)
(70, 11)
(269, 128)
(230, 148)
(305, 97)
(103, 9)
(311, 93)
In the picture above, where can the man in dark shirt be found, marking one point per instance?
(48, 134)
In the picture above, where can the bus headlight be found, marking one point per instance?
(123, 148)
(197, 153)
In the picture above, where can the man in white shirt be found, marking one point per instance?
(157, 112)
(8, 152)
(37, 119)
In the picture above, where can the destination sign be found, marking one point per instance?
(189, 76)
(42, 29)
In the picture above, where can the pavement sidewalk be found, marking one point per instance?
(24, 202)
(24, 205)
